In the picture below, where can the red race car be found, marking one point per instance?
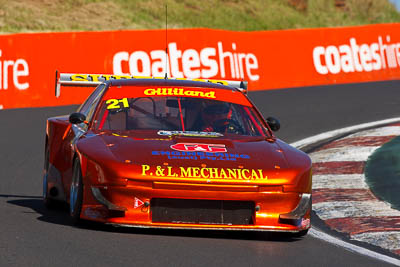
(173, 153)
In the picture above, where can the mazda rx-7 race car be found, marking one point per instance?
(172, 153)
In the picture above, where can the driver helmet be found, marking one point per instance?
(215, 111)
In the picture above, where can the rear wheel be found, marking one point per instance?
(76, 193)
(47, 201)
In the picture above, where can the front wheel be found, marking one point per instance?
(76, 193)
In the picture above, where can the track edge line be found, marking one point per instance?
(322, 235)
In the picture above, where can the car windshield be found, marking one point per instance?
(184, 114)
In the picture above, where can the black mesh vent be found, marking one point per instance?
(170, 210)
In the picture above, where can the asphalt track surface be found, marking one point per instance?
(30, 235)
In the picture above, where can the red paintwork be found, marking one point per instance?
(124, 165)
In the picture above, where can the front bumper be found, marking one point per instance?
(274, 209)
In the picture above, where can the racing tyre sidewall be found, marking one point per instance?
(48, 202)
(76, 193)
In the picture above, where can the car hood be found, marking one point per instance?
(155, 156)
(192, 151)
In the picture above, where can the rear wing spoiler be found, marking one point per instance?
(92, 80)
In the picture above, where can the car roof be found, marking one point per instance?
(168, 82)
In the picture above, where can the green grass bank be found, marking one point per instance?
(239, 15)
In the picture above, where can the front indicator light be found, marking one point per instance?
(100, 198)
(301, 209)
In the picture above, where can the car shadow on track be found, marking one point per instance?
(215, 234)
(60, 216)
(57, 216)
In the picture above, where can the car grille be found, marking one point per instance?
(194, 211)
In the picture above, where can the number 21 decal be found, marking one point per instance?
(116, 103)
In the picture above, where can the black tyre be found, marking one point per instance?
(47, 201)
(301, 233)
(76, 193)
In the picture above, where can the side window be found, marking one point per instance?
(85, 107)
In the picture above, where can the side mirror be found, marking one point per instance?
(76, 118)
(273, 123)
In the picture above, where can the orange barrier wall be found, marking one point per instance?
(267, 59)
